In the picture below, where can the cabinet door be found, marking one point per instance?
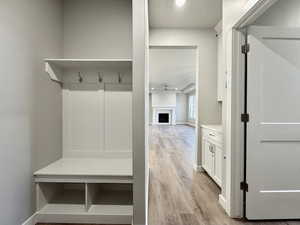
(217, 171)
(207, 161)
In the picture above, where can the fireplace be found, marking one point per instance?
(164, 115)
(164, 118)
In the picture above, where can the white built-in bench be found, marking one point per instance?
(84, 190)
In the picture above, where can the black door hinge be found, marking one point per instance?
(244, 186)
(245, 117)
(245, 48)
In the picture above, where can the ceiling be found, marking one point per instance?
(174, 67)
(194, 14)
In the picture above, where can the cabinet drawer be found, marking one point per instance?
(212, 135)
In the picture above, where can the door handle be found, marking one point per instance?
(212, 135)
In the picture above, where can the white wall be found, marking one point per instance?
(283, 13)
(208, 109)
(190, 120)
(100, 29)
(181, 108)
(233, 12)
(30, 109)
(162, 99)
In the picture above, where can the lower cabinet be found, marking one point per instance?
(212, 154)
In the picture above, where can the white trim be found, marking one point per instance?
(31, 220)
(198, 168)
(222, 201)
(181, 123)
(253, 11)
(233, 126)
(197, 159)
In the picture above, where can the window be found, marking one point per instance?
(192, 107)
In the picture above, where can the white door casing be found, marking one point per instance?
(273, 133)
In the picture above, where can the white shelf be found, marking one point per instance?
(87, 63)
(63, 209)
(55, 67)
(75, 209)
(88, 170)
(103, 214)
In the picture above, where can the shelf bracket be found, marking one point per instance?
(54, 73)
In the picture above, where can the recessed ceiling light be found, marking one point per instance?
(180, 3)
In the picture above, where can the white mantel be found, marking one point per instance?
(170, 110)
(164, 102)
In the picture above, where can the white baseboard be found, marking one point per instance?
(191, 124)
(198, 168)
(181, 123)
(222, 201)
(31, 220)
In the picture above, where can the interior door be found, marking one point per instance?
(273, 131)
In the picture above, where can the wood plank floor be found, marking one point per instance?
(178, 195)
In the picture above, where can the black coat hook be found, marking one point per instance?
(120, 78)
(80, 79)
(100, 79)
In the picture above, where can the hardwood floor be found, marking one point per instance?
(178, 195)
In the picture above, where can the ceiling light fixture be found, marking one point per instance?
(180, 3)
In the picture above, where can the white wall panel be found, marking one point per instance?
(83, 121)
(118, 121)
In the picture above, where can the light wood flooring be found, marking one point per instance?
(178, 195)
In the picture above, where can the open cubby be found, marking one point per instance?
(61, 194)
(64, 196)
(110, 194)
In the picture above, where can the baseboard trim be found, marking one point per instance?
(222, 201)
(191, 124)
(31, 220)
(198, 168)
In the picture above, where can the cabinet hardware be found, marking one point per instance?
(212, 135)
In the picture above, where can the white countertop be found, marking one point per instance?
(215, 127)
(88, 167)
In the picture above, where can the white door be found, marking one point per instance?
(273, 139)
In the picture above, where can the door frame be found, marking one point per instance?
(234, 128)
(197, 164)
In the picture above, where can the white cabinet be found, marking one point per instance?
(217, 158)
(212, 152)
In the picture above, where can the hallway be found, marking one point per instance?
(178, 195)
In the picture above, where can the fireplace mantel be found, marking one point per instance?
(170, 110)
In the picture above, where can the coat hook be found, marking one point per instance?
(120, 78)
(80, 79)
(100, 79)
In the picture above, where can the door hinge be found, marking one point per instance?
(245, 48)
(244, 186)
(245, 117)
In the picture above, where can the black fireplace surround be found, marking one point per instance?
(163, 118)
